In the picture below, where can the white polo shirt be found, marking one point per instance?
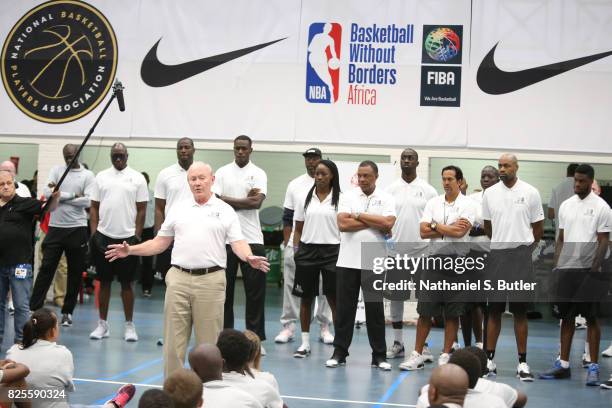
(481, 243)
(118, 192)
(377, 203)
(320, 220)
(439, 210)
(172, 185)
(473, 399)
(236, 182)
(410, 200)
(296, 193)
(200, 233)
(508, 394)
(220, 394)
(580, 221)
(511, 212)
(261, 390)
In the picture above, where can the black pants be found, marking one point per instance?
(348, 283)
(254, 288)
(146, 263)
(72, 241)
(163, 260)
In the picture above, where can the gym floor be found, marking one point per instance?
(103, 366)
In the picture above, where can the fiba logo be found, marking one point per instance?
(442, 44)
(323, 62)
(59, 60)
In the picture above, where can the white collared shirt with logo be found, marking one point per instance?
(320, 220)
(234, 181)
(200, 233)
(377, 203)
(172, 185)
(410, 200)
(581, 221)
(295, 195)
(442, 212)
(118, 192)
(511, 212)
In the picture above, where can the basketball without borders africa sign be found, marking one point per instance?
(59, 61)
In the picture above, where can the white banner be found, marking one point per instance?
(395, 72)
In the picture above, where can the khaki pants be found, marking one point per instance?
(191, 301)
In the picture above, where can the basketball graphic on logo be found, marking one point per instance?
(63, 62)
(59, 61)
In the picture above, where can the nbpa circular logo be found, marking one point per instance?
(442, 44)
(59, 61)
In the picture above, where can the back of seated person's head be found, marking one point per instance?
(448, 384)
(206, 361)
(42, 325)
(155, 398)
(235, 349)
(255, 357)
(185, 388)
(470, 363)
(482, 357)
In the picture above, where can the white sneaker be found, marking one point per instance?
(479, 345)
(456, 346)
(130, 332)
(101, 331)
(414, 362)
(492, 368)
(326, 337)
(286, 334)
(443, 359)
(396, 350)
(607, 352)
(263, 350)
(302, 352)
(523, 372)
(381, 365)
(427, 356)
(580, 323)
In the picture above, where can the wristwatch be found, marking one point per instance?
(433, 225)
(357, 214)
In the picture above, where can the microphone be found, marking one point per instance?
(118, 91)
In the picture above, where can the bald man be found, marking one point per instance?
(207, 363)
(448, 386)
(513, 219)
(22, 189)
(195, 284)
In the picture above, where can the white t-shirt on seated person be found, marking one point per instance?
(234, 181)
(261, 390)
(377, 203)
(503, 391)
(220, 394)
(118, 192)
(473, 399)
(200, 233)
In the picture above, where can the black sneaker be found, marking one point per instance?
(557, 372)
(66, 320)
(523, 372)
(336, 360)
(607, 385)
(302, 352)
(146, 293)
(381, 363)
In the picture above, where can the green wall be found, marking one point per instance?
(28, 158)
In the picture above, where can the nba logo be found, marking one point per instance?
(323, 62)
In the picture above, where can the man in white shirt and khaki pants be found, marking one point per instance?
(195, 291)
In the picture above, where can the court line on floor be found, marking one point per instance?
(387, 404)
(133, 370)
(392, 388)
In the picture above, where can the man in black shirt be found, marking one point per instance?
(16, 217)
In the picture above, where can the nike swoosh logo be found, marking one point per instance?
(156, 74)
(494, 81)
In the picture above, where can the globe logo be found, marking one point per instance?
(442, 44)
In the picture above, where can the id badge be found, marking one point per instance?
(21, 271)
